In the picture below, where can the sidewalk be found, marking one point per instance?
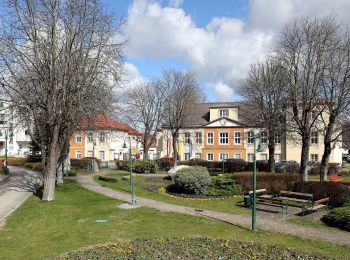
(18, 187)
(276, 225)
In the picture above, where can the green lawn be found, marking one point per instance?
(314, 224)
(40, 230)
(231, 205)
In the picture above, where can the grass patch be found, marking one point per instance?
(313, 223)
(40, 229)
(231, 205)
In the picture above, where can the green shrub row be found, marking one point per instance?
(37, 166)
(188, 248)
(84, 163)
(73, 171)
(15, 161)
(224, 185)
(109, 179)
(338, 217)
(139, 166)
(192, 180)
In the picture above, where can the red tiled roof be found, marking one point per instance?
(101, 121)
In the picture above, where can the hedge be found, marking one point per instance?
(15, 161)
(224, 185)
(84, 163)
(336, 192)
(139, 166)
(338, 217)
(188, 248)
(37, 166)
(272, 182)
(230, 166)
(192, 180)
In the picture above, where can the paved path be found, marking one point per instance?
(17, 188)
(275, 224)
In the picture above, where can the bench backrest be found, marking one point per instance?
(296, 194)
(260, 191)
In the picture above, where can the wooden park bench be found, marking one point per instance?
(335, 178)
(265, 199)
(304, 200)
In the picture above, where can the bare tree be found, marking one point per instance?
(181, 91)
(335, 96)
(144, 110)
(59, 60)
(264, 89)
(304, 50)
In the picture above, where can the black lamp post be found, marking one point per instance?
(132, 191)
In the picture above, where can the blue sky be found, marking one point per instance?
(216, 39)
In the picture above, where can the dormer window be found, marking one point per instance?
(223, 112)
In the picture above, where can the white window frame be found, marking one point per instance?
(198, 156)
(314, 138)
(78, 154)
(250, 137)
(223, 113)
(237, 138)
(210, 155)
(237, 156)
(90, 137)
(198, 138)
(102, 140)
(78, 138)
(90, 154)
(280, 157)
(314, 157)
(252, 157)
(221, 156)
(187, 156)
(222, 138)
(101, 153)
(210, 138)
(187, 138)
(263, 155)
(277, 139)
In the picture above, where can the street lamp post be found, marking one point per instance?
(132, 191)
(259, 150)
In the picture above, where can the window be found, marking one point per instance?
(278, 157)
(198, 138)
(237, 156)
(237, 138)
(90, 154)
(2, 119)
(223, 112)
(223, 156)
(210, 157)
(116, 156)
(263, 157)
(250, 157)
(90, 137)
(187, 156)
(223, 138)
(102, 137)
(78, 137)
(102, 155)
(26, 132)
(11, 137)
(78, 155)
(263, 137)
(314, 137)
(250, 137)
(210, 138)
(277, 139)
(187, 138)
(198, 155)
(314, 157)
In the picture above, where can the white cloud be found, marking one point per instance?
(132, 76)
(176, 3)
(220, 53)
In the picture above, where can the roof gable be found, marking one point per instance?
(224, 122)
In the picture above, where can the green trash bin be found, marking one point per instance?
(247, 201)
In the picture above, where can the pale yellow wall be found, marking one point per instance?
(232, 113)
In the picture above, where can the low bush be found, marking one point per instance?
(188, 248)
(15, 161)
(139, 166)
(333, 168)
(338, 217)
(37, 166)
(224, 185)
(232, 165)
(261, 166)
(108, 179)
(84, 163)
(73, 171)
(336, 192)
(192, 180)
(272, 182)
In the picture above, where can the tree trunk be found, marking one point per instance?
(327, 149)
(60, 172)
(304, 157)
(50, 160)
(271, 147)
(175, 155)
(145, 149)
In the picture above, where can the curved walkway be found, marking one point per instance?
(281, 226)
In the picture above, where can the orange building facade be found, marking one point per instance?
(77, 145)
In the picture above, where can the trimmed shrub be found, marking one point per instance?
(261, 166)
(272, 182)
(15, 161)
(339, 217)
(37, 166)
(138, 166)
(192, 180)
(109, 179)
(224, 185)
(73, 171)
(232, 165)
(336, 192)
(84, 163)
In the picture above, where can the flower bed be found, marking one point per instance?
(188, 248)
